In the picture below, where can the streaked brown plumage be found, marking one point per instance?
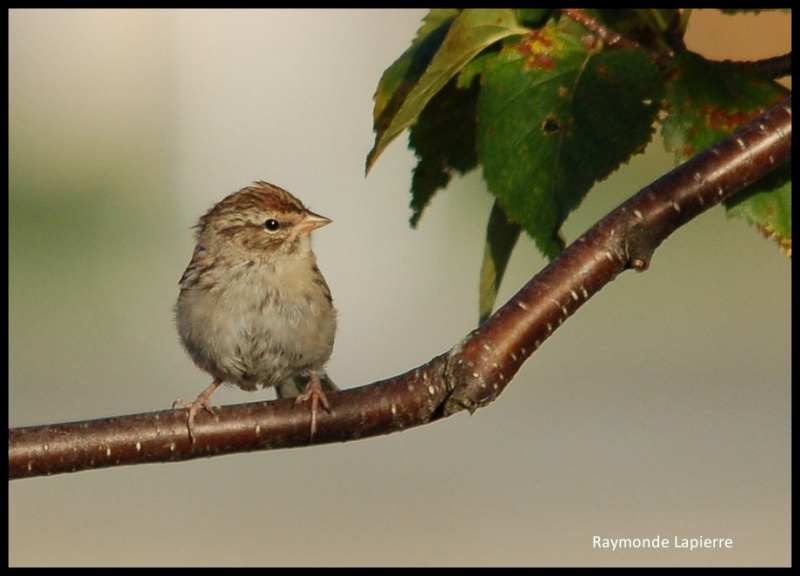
(254, 309)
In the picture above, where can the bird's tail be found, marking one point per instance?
(297, 384)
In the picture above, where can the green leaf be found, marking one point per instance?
(533, 16)
(471, 32)
(399, 78)
(501, 237)
(444, 142)
(770, 210)
(709, 100)
(554, 116)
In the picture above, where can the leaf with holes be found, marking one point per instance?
(555, 115)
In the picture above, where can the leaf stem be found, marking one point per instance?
(611, 37)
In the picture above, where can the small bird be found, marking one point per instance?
(254, 310)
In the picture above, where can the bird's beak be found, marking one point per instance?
(311, 222)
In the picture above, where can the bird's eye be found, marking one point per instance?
(272, 225)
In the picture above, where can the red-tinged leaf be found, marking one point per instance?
(555, 115)
(707, 101)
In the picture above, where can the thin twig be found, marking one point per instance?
(611, 37)
(775, 67)
(606, 34)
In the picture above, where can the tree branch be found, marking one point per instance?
(775, 67)
(471, 374)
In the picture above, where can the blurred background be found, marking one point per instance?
(661, 408)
